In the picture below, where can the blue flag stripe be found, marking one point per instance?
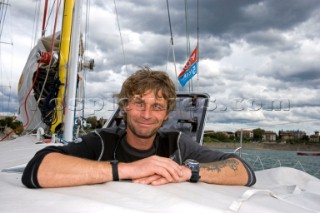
(192, 71)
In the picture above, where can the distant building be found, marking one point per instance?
(207, 132)
(248, 134)
(269, 136)
(314, 138)
(229, 134)
(291, 134)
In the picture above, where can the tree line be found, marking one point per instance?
(12, 123)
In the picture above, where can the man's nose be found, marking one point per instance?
(146, 112)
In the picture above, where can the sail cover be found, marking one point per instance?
(36, 90)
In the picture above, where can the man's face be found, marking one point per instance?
(145, 114)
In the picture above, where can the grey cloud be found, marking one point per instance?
(279, 32)
(268, 41)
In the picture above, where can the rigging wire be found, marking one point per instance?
(3, 11)
(198, 45)
(88, 7)
(3, 14)
(51, 11)
(190, 83)
(172, 45)
(35, 24)
(122, 46)
(187, 27)
(168, 55)
(87, 27)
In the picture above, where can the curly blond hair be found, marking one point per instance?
(144, 80)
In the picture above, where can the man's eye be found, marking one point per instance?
(158, 107)
(138, 103)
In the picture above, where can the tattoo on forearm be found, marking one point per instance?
(217, 166)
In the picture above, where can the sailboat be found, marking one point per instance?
(50, 80)
(277, 190)
(308, 153)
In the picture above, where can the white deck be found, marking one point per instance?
(277, 190)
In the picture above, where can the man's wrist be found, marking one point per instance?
(194, 166)
(188, 172)
(115, 171)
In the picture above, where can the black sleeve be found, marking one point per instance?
(193, 150)
(89, 147)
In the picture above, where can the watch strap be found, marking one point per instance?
(115, 173)
(194, 177)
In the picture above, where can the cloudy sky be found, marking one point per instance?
(259, 60)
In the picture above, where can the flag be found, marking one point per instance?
(187, 75)
(190, 69)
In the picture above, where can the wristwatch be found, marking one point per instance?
(195, 169)
(115, 174)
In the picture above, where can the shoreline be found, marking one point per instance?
(264, 146)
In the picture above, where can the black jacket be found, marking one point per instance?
(110, 144)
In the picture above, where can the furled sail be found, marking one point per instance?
(38, 85)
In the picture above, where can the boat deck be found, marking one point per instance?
(277, 190)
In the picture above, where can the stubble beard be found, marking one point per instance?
(140, 134)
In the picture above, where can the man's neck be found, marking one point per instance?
(139, 143)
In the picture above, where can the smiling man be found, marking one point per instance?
(140, 152)
(146, 114)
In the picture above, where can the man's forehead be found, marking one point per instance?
(150, 95)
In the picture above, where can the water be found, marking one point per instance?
(266, 159)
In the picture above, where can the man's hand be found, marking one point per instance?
(152, 169)
(157, 180)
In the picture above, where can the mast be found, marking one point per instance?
(73, 73)
(64, 58)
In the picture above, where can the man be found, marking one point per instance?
(140, 152)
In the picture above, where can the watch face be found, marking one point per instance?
(195, 169)
(191, 161)
(192, 164)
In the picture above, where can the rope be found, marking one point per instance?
(37, 72)
(122, 46)
(25, 106)
(44, 17)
